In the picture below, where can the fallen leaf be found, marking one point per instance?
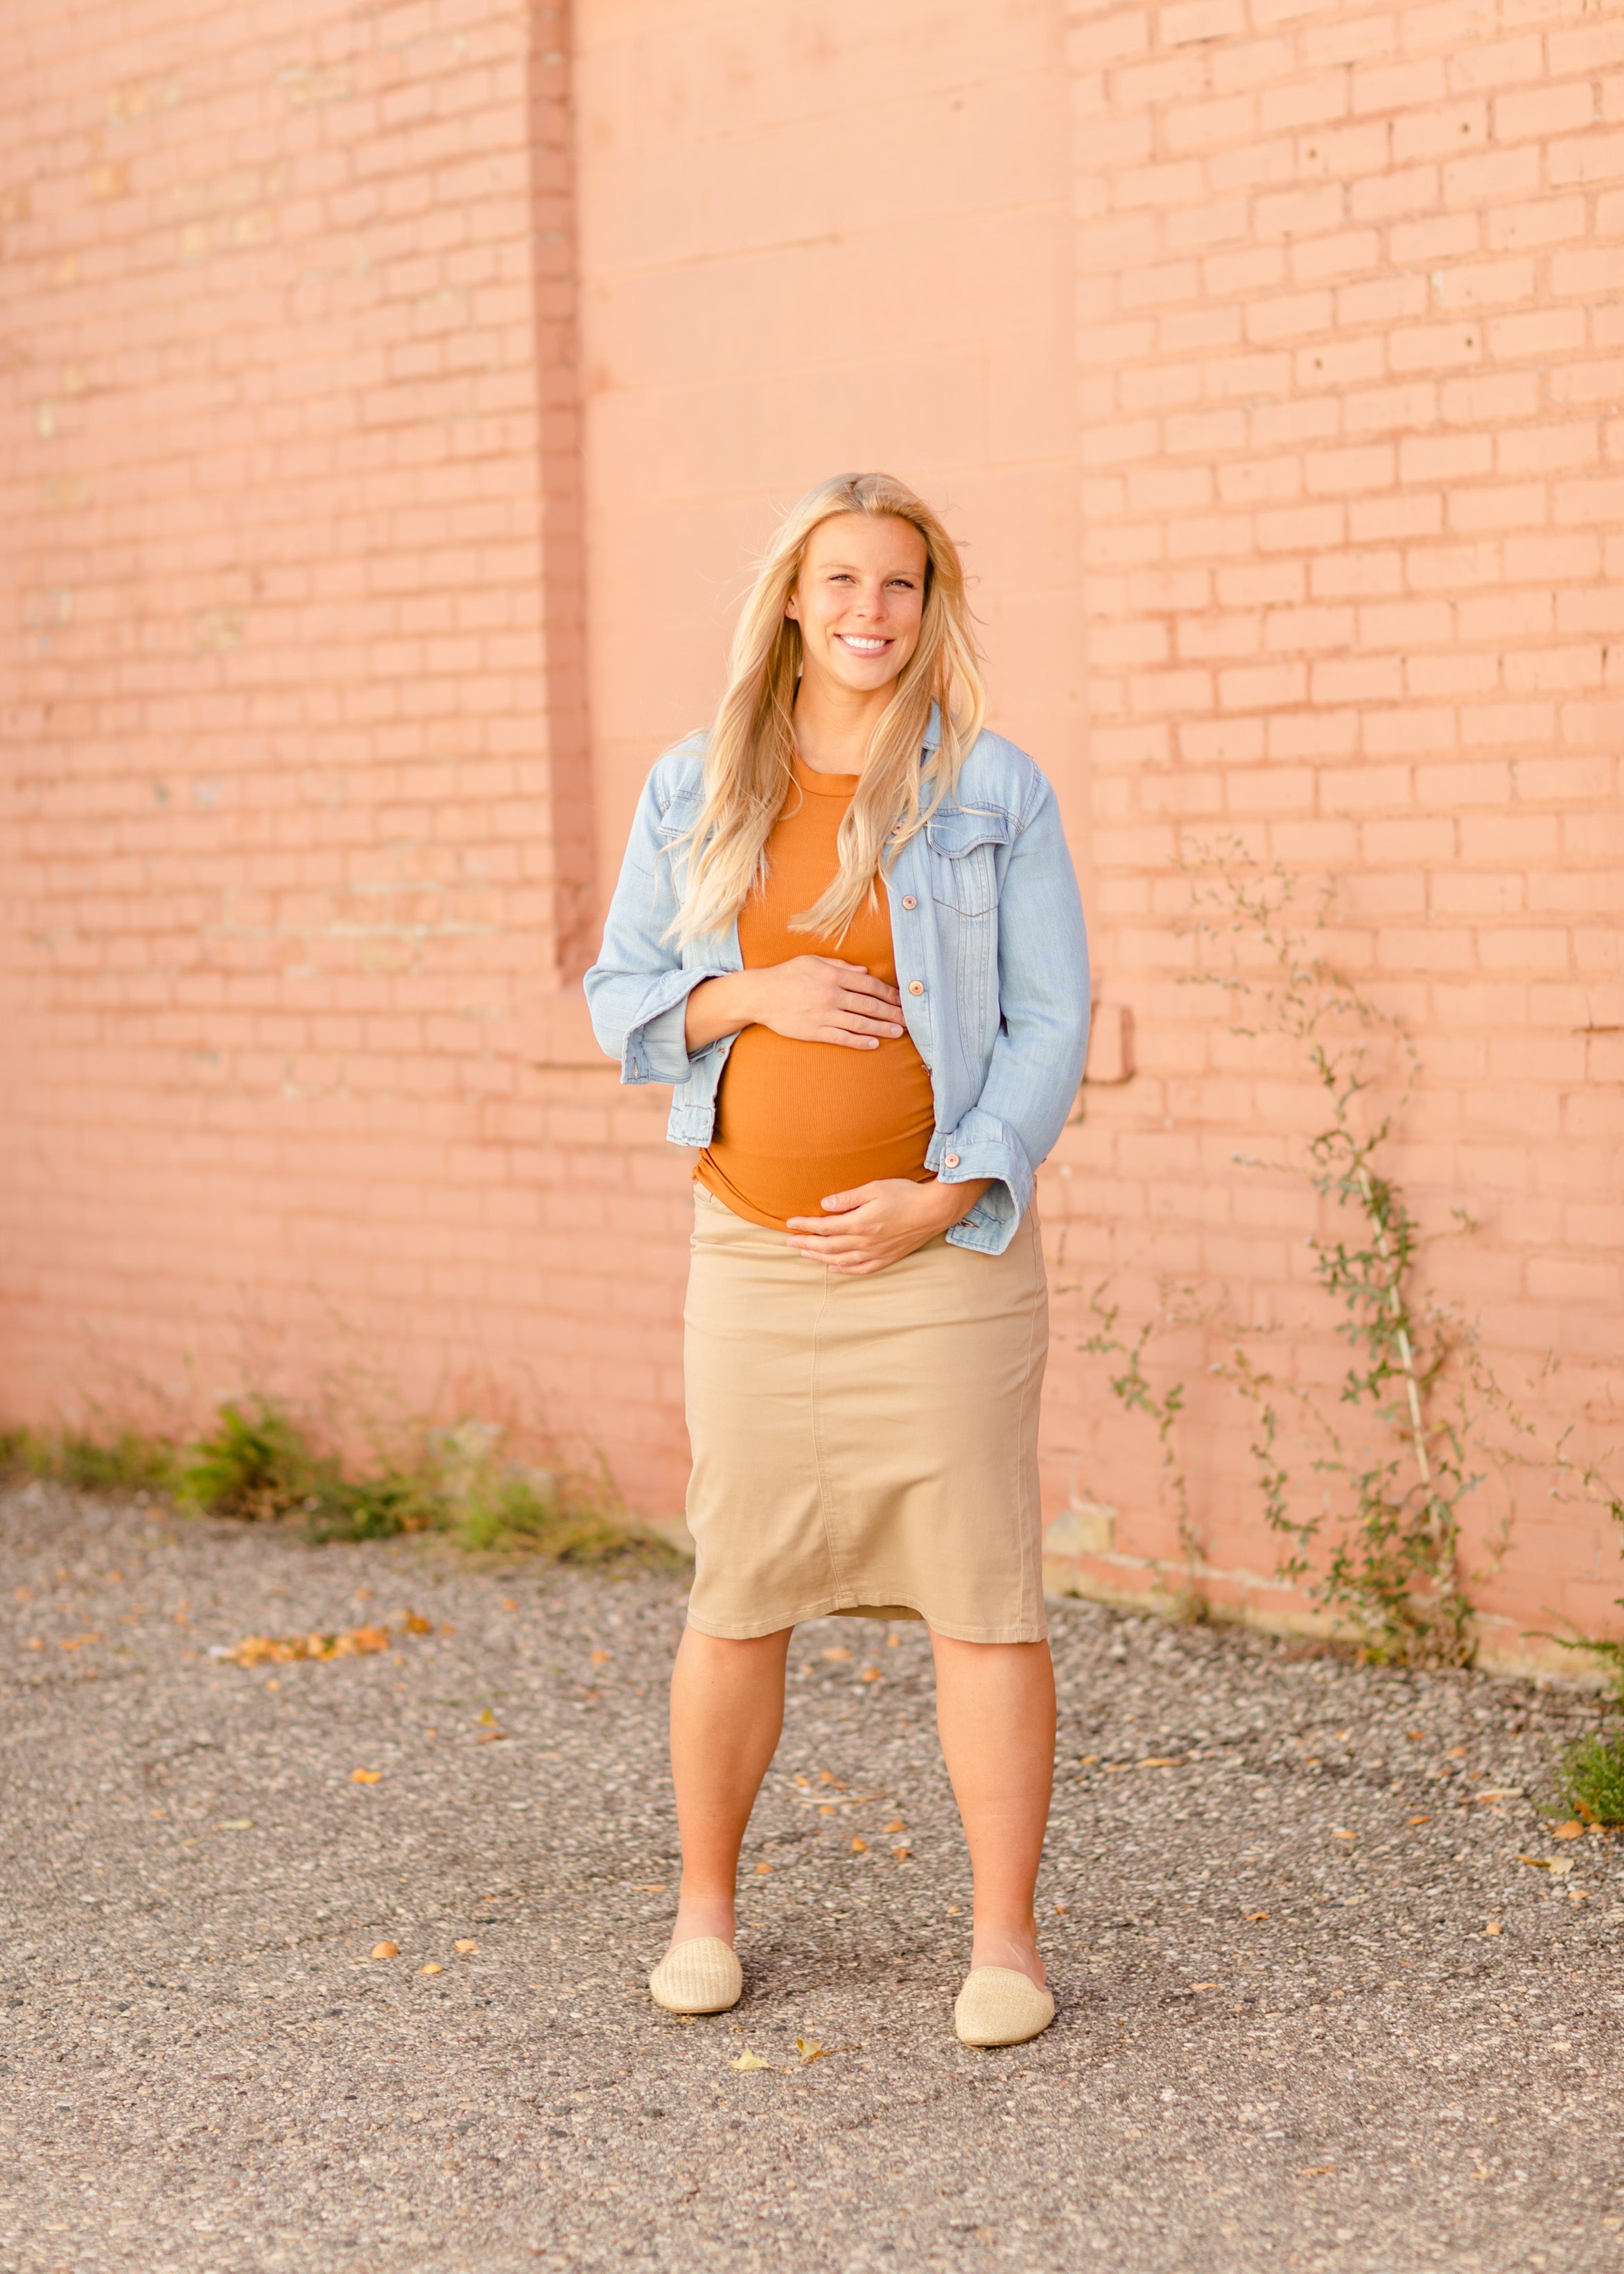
(602, 1657)
(650, 1887)
(1344, 1835)
(281, 1650)
(859, 1845)
(1416, 1733)
(893, 1642)
(1502, 1792)
(509, 1603)
(1257, 1915)
(1203, 1985)
(1342, 1735)
(1158, 1763)
(825, 1807)
(1455, 1753)
(366, 1776)
(1578, 1894)
(803, 1781)
(1539, 1863)
(386, 1950)
(490, 1736)
(1316, 2170)
(905, 1855)
(762, 1868)
(235, 1823)
(824, 1776)
(413, 1624)
(809, 2049)
(955, 1910)
(839, 1651)
(487, 1717)
(1059, 1907)
(431, 1968)
(871, 1674)
(1494, 1927)
(688, 2021)
(465, 1947)
(1570, 1831)
(1417, 1820)
(36, 1642)
(748, 2059)
(896, 1824)
(22, 1595)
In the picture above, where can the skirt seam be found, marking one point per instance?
(1031, 1587)
(824, 1494)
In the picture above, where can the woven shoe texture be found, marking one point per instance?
(703, 1977)
(999, 2007)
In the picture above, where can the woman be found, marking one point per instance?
(848, 931)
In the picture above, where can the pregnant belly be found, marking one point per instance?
(796, 1120)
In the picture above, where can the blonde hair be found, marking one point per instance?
(750, 748)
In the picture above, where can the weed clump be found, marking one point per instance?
(1592, 1778)
(126, 1462)
(256, 1463)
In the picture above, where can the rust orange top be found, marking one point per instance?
(797, 1120)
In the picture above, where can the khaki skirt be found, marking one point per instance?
(864, 1445)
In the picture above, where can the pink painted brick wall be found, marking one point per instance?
(1268, 357)
(1348, 344)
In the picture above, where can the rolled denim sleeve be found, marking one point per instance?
(638, 989)
(1037, 1059)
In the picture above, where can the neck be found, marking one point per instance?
(833, 723)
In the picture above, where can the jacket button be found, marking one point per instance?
(908, 901)
(916, 986)
(949, 1160)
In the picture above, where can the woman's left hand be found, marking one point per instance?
(877, 1224)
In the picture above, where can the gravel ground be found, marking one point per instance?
(1288, 2035)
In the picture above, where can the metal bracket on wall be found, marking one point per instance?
(1110, 1044)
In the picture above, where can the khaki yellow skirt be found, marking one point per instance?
(868, 1445)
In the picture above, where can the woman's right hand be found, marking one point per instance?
(811, 998)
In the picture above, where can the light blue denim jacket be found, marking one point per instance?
(987, 928)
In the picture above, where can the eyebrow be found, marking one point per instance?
(852, 565)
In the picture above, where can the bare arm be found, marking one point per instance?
(812, 998)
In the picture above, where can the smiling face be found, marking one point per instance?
(859, 599)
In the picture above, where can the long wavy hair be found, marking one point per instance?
(750, 751)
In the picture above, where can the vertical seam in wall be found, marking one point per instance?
(555, 275)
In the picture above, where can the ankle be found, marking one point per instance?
(1009, 1942)
(704, 1912)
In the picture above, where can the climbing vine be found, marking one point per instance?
(1365, 1480)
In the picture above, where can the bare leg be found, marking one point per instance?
(995, 1713)
(726, 1714)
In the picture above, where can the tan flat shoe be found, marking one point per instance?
(999, 2006)
(702, 1976)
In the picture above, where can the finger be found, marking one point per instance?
(858, 1022)
(854, 1196)
(840, 1034)
(863, 983)
(868, 1006)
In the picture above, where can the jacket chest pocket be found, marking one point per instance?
(964, 860)
(679, 817)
